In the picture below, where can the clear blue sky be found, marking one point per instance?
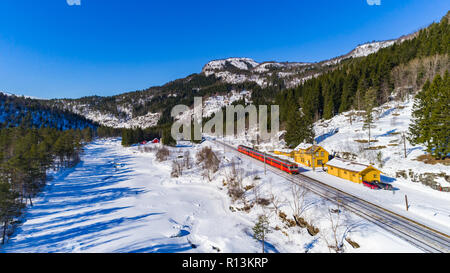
(49, 49)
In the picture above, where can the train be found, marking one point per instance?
(274, 161)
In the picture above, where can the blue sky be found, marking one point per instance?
(50, 49)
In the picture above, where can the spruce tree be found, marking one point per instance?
(430, 125)
(369, 101)
(261, 229)
(299, 129)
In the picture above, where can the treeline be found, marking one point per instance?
(431, 124)
(15, 111)
(26, 156)
(106, 132)
(345, 87)
(137, 135)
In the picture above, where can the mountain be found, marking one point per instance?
(145, 108)
(270, 82)
(292, 74)
(30, 112)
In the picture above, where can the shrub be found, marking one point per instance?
(177, 169)
(162, 154)
(209, 162)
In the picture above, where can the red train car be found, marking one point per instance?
(279, 163)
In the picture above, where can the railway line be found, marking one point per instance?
(417, 234)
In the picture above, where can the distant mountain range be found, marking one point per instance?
(149, 107)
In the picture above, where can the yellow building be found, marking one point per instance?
(310, 155)
(352, 171)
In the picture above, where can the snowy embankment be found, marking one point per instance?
(122, 200)
(344, 135)
(407, 175)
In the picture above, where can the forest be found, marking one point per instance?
(27, 156)
(345, 88)
(431, 117)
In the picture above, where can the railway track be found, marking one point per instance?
(417, 234)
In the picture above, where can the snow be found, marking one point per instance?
(347, 165)
(111, 120)
(24, 96)
(240, 63)
(214, 103)
(122, 200)
(427, 206)
(391, 120)
(370, 48)
(363, 50)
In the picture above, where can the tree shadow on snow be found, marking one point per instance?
(69, 208)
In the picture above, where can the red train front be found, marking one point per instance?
(279, 163)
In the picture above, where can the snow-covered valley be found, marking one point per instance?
(123, 200)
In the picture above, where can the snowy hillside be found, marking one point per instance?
(363, 50)
(239, 70)
(369, 48)
(145, 108)
(344, 135)
(108, 119)
(15, 110)
(213, 103)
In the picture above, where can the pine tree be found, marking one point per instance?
(299, 129)
(430, 125)
(369, 101)
(261, 229)
(167, 138)
(9, 207)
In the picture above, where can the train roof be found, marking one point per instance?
(271, 156)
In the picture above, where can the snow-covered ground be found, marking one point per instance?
(122, 200)
(341, 136)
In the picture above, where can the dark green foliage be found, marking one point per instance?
(299, 129)
(369, 103)
(33, 113)
(346, 86)
(167, 138)
(25, 157)
(261, 229)
(105, 132)
(137, 135)
(431, 124)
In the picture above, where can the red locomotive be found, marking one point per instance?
(279, 163)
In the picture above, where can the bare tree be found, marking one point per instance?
(162, 154)
(334, 216)
(234, 180)
(177, 168)
(299, 204)
(187, 160)
(276, 201)
(209, 162)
